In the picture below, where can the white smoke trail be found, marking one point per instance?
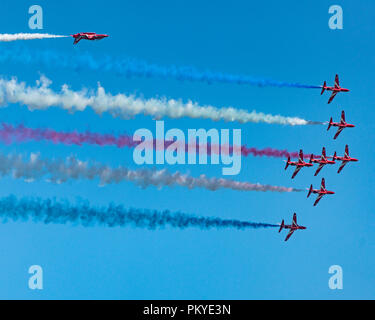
(42, 96)
(27, 36)
(59, 171)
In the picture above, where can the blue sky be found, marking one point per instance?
(284, 41)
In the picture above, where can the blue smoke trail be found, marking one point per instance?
(51, 211)
(133, 67)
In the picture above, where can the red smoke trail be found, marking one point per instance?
(269, 152)
(10, 134)
(20, 133)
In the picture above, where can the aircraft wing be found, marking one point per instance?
(324, 157)
(295, 220)
(337, 82)
(332, 96)
(343, 117)
(318, 199)
(291, 231)
(347, 150)
(319, 168)
(300, 158)
(338, 132)
(323, 185)
(342, 166)
(296, 171)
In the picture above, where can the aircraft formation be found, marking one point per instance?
(321, 160)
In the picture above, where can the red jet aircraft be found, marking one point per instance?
(323, 161)
(298, 164)
(345, 159)
(87, 36)
(341, 125)
(293, 227)
(321, 192)
(334, 89)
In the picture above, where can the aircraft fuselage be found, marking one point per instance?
(323, 161)
(346, 159)
(294, 227)
(336, 89)
(300, 164)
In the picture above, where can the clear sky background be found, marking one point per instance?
(288, 41)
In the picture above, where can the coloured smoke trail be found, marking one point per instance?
(60, 171)
(43, 97)
(28, 36)
(50, 211)
(10, 134)
(131, 67)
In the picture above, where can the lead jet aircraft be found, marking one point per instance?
(341, 125)
(88, 36)
(298, 164)
(293, 227)
(335, 90)
(323, 161)
(345, 159)
(321, 192)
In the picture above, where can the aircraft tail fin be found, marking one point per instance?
(330, 123)
(287, 163)
(310, 190)
(323, 87)
(281, 226)
(334, 156)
